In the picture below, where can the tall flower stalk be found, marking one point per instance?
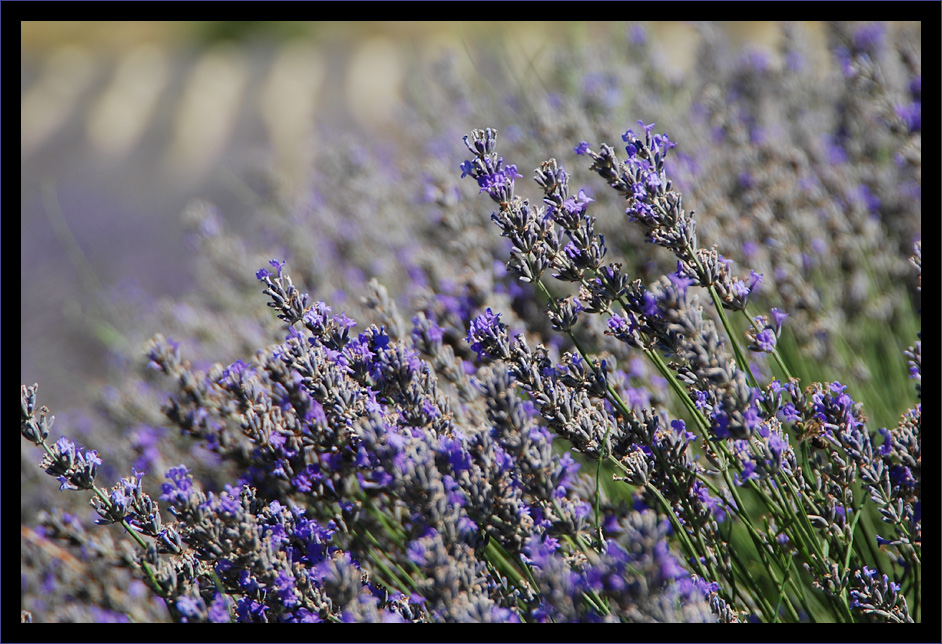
(804, 456)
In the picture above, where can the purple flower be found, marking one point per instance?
(487, 336)
(179, 489)
(765, 340)
(285, 587)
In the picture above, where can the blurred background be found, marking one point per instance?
(123, 123)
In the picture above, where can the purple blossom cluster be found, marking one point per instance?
(568, 424)
(811, 496)
(355, 461)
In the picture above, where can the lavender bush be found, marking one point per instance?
(567, 424)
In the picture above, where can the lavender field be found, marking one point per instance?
(565, 335)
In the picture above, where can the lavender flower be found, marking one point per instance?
(729, 409)
(437, 423)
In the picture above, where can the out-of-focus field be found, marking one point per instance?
(124, 123)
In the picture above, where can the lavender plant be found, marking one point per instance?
(353, 435)
(558, 430)
(810, 502)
